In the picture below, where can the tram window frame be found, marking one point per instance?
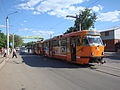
(40, 45)
(55, 43)
(63, 42)
(78, 40)
(85, 42)
(36, 45)
(46, 44)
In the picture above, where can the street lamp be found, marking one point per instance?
(7, 30)
(76, 18)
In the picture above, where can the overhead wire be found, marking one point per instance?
(92, 3)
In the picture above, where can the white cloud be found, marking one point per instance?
(97, 8)
(109, 16)
(36, 32)
(2, 26)
(59, 8)
(25, 29)
(43, 32)
(24, 21)
(36, 12)
(29, 5)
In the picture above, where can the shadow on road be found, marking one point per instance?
(41, 61)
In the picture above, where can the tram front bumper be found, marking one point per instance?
(94, 59)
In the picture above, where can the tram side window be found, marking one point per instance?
(40, 45)
(63, 42)
(37, 45)
(55, 43)
(85, 41)
(46, 44)
(78, 41)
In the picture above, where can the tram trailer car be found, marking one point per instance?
(80, 47)
(38, 48)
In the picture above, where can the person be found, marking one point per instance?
(5, 52)
(14, 53)
(117, 46)
(1, 51)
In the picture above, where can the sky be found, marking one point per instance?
(44, 18)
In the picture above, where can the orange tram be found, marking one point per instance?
(80, 47)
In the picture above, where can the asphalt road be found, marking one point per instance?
(32, 72)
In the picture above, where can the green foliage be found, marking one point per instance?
(28, 44)
(88, 19)
(2, 40)
(17, 40)
(71, 29)
(85, 19)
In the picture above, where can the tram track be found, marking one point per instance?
(108, 73)
(113, 71)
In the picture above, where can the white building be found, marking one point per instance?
(110, 37)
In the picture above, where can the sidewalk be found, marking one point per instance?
(1, 59)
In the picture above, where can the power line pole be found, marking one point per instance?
(7, 33)
(76, 17)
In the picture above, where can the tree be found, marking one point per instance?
(85, 19)
(2, 40)
(30, 43)
(17, 40)
(71, 29)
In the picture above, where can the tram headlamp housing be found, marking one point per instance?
(92, 53)
(103, 53)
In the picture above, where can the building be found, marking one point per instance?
(110, 37)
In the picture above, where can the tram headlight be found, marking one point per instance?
(103, 53)
(92, 53)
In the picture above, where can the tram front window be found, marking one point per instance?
(92, 40)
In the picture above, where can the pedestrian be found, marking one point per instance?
(5, 52)
(14, 53)
(1, 51)
(117, 46)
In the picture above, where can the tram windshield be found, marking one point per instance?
(92, 40)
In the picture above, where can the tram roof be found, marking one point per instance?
(83, 32)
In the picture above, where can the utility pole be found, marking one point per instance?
(76, 18)
(7, 31)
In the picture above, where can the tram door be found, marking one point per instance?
(73, 48)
